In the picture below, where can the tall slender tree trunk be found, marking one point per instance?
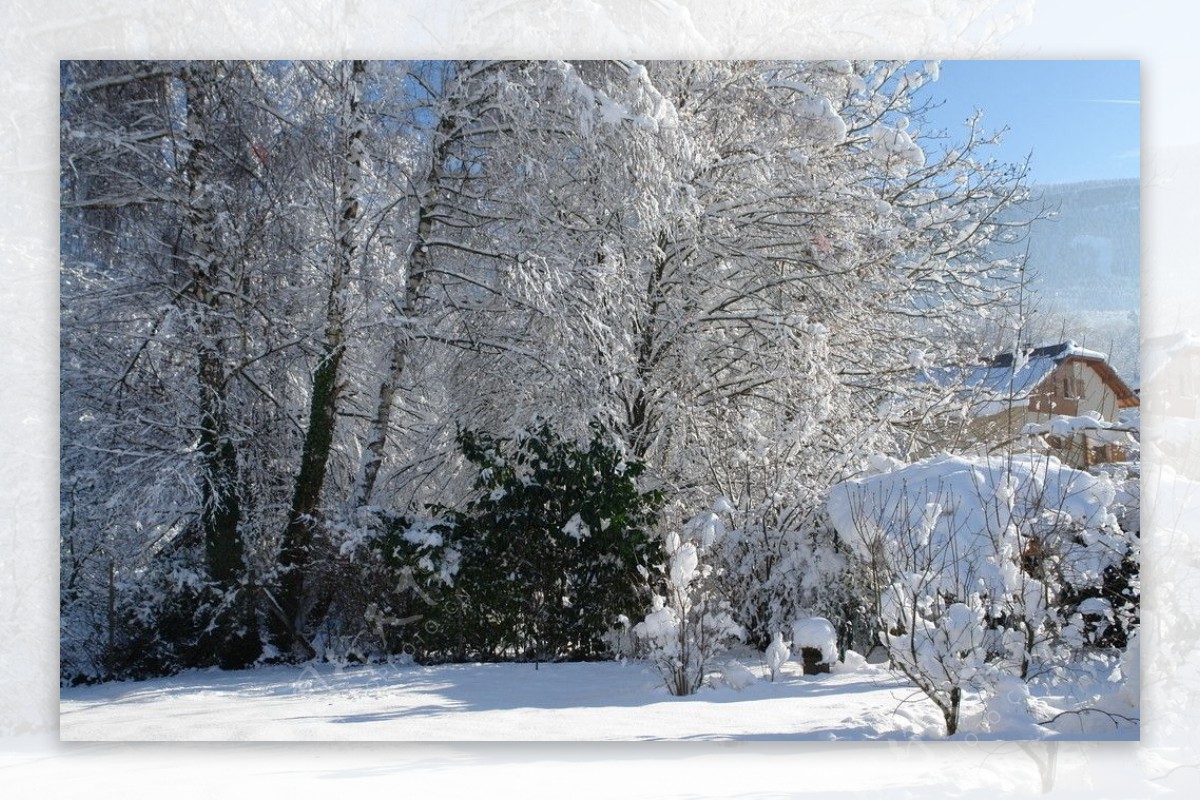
(416, 277)
(640, 415)
(236, 629)
(397, 360)
(294, 601)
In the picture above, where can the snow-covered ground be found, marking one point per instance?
(577, 701)
(565, 701)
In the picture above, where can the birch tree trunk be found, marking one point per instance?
(417, 263)
(416, 278)
(295, 601)
(219, 481)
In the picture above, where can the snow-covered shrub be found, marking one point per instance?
(735, 675)
(160, 620)
(547, 559)
(688, 624)
(554, 547)
(852, 662)
(977, 562)
(1007, 710)
(779, 560)
(388, 583)
(775, 575)
(1105, 613)
(776, 654)
(816, 641)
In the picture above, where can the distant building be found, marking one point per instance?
(1062, 398)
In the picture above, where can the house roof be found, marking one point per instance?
(1007, 378)
(1057, 353)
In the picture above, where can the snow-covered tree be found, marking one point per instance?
(288, 285)
(688, 624)
(742, 279)
(155, 331)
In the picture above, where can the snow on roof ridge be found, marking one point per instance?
(1058, 351)
(1078, 350)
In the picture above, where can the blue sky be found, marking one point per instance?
(1080, 119)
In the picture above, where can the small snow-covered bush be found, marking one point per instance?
(1007, 710)
(776, 654)
(985, 566)
(779, 559)
(735, 675)
(852, 662)
(688, 624)
(816, 641)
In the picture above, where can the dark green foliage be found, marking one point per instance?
(196, 626)
(1120, 586)
(553, 545)
(170, 620)
(385, 586)
(553, 540)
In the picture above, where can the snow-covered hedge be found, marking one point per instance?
(985, 566)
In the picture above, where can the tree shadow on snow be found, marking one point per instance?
(511, 686)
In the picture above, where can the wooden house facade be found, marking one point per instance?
(1063, 398)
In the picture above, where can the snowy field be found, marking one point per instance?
(575, 701)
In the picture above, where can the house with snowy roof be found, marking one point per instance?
(1062, 398)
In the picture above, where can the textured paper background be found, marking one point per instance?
(35, 35)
